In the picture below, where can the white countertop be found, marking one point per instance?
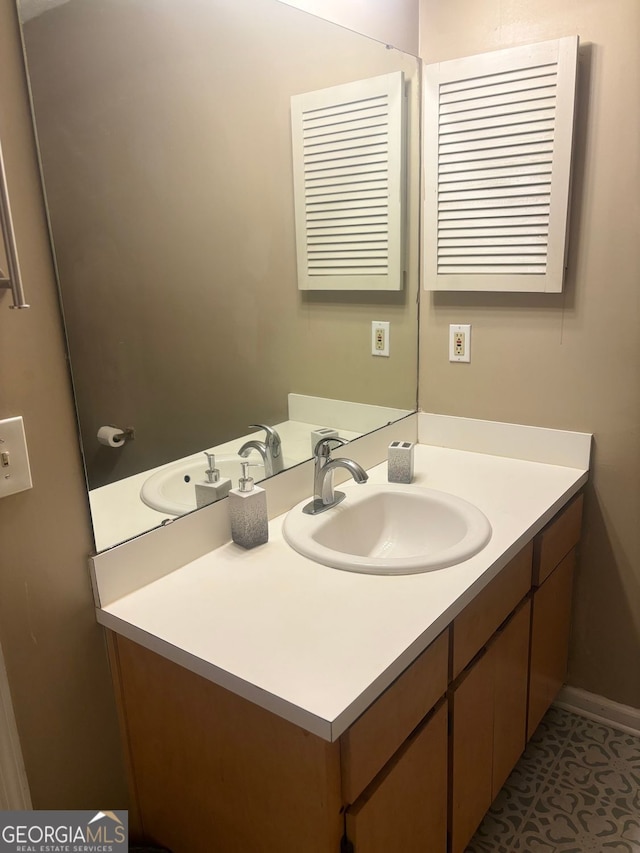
(317, 645)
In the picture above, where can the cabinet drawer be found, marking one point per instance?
(375, 736)
(556, 540)
(406, 807)
(483, 616)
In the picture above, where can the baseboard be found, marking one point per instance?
(602, 710)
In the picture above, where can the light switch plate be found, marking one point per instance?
(15, 473)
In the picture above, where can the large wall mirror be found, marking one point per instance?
(165, 141)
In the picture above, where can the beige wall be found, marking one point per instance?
(166, 144)
(395, 23)
(53, 648)
(569, 361)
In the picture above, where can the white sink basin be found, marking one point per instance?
(172, 488)
(389, 530)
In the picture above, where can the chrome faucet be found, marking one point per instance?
(270, 449)
(324, 495)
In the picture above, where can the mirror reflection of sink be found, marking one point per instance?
(172, 488)
(390, 530)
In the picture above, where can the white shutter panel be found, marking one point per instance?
(348, 144)
(498, 130)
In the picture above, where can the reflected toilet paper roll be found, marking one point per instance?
(112, 436)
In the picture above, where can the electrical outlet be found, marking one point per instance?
(379, 337)
(460, 343)
(15, 474)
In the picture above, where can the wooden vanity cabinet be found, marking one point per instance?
(406, 807)
(394, 763)
(504, 682)
(555, 541)
(473, 628)
(211, 771)
(553, 567)
(416, 772)
(376, 736)
(488, 694)
(488, 707)
(550, 628)
(511, 677)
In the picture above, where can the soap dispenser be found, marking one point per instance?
(248, 512)
(215, 488)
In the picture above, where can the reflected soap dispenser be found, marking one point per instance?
(215, 487)
(248, 512)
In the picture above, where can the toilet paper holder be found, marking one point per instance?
(113, 436)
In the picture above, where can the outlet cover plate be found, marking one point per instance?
(460, 342)
(380, 330)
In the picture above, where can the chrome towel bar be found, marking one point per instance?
(12, 280)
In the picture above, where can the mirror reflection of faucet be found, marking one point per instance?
(215, 487)
(324, 495)
(270, 449)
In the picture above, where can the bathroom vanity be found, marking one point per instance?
(269, 703)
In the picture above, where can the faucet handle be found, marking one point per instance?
(323, 446)
(272, 439)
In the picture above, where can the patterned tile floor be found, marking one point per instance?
(576, 789)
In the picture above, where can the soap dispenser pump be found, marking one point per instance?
(215, 487)
(248, 512)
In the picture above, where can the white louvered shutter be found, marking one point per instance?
(498, 130)
(348, 144)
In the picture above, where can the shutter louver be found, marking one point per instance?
(347, 155)
(498, 135)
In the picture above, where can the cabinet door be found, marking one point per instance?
(511, 675)
(405, 807)
(550, 627)
(214, 772)
(472, 750)
(489, 715)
